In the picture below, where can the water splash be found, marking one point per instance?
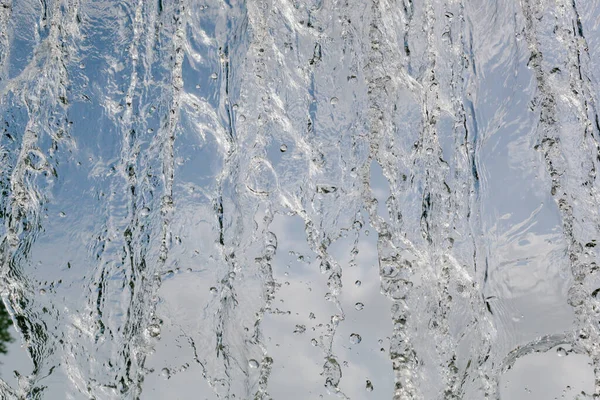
(296, 198)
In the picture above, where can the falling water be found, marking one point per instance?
(299, 199)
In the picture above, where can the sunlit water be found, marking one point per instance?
(360, 199)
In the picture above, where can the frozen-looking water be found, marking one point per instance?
(299, 199)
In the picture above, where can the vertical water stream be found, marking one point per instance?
(299, 199)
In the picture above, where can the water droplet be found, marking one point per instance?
(214, 75)
(576, 296)
(283, 148)
(369, 386)
(241, 118)
(165, 372)
(332, 372)
(213, 290)
(355, 338)
(359, 306)
(314, 342)
(144, 212)
(261, 178)
(300, 329)
(270, 250)
(42, 291)
(333, 101)
(153, 330)
(389, 270)
(253, 363)
(325, 189)
(325, 267)
(358, 283)
(396, 288)
(561, 352)
(62, 214)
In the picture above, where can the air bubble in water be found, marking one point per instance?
(253, 363)
(283, 148)
(359, 306)
(261, 178)
(355, 338)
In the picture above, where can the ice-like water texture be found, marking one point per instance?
(295, 199)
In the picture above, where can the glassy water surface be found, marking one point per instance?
(299, 199)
